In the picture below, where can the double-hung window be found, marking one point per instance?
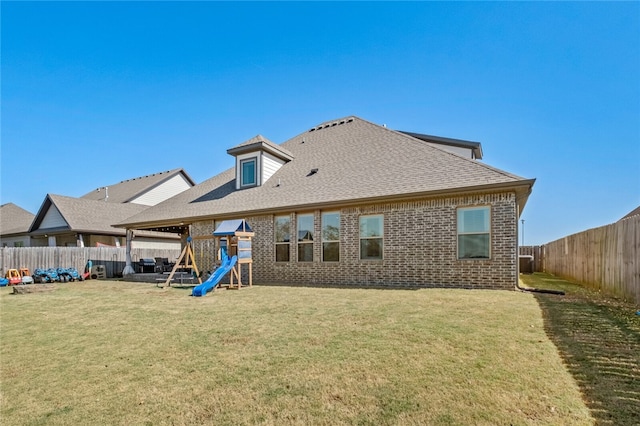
(282, 226)
(248, 175)
(371, 237)
(331, 237)
(474, 232)
(305, 238)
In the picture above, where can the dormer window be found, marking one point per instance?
(257, 160)
(248, 175)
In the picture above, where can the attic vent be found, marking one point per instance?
(335, 123)
(313, 172)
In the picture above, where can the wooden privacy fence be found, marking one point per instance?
(604, 258)
(113, 258)
(538, 255)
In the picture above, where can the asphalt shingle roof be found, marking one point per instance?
(632, 213)
(94, 216)
(128, 189)
(14, 219)
(355, 160)
(260, 142)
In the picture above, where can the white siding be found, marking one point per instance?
(11, 241)
(53, 219)
(162, 192)
(270, 165)
(154, 243)
(465, 152)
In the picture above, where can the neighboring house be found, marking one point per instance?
(14, 226)
(369, 206)
(632, 213)
(87, 221)
(145, 190)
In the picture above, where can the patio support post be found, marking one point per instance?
(128, 269)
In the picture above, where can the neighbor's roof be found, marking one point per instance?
(14, 219)
(356, 161)
(476, 147)
(632, 213)
(129, 189)
(82, 215)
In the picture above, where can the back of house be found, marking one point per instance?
(352, 203)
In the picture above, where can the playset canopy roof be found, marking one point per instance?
(230, 227)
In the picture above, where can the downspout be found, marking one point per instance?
(539, 290)
(128, 269)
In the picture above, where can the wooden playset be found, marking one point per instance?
(233, 240)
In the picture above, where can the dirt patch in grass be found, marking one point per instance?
(598, 338)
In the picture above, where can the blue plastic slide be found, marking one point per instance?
(215, 278)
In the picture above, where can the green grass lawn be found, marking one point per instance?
(598, 337)
(104, 352)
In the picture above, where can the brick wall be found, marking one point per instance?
(420, 247)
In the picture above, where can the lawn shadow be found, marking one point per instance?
(599, 342)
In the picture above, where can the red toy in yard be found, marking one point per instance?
(14, 277)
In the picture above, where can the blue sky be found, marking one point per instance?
(97, 92)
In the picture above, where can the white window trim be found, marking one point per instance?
(276, 242)
(458, 233)
(298, 243)
(322, 240)
(360, 238)
(241, 162)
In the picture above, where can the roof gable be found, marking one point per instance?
(131, 190)
(260, 143)
(343, 161)
(81, 215)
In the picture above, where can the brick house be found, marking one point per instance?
(352, 203)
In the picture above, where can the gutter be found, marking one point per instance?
(488, 188)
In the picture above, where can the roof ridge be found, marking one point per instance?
(148, 176)
(336, 122)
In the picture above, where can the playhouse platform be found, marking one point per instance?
(158, 278)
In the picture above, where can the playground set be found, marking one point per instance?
(233, 239)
